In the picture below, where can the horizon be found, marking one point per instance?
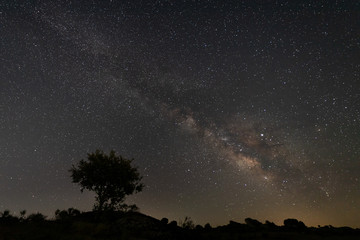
(52, 217)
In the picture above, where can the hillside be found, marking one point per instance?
(137, 226)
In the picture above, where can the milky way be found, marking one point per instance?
(231, 109)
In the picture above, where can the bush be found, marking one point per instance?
(36, 217)
(187, 223)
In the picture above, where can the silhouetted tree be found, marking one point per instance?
(64, 215)
(36, 217)
(164, 221)
(187, 223)
(294, 223)
(6, 214)
(270, 225)
(199, 227)
(6, 217)
(252, 222)
(22, 215)
(173, 224)
(207, 226)
(111, 177)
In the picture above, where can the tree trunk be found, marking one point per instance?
(101, 200)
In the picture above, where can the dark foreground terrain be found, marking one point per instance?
(133, 225)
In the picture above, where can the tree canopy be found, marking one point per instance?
(111, 177)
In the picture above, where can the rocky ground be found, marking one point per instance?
(136, 226)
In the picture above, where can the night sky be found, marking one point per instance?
(231, 109)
